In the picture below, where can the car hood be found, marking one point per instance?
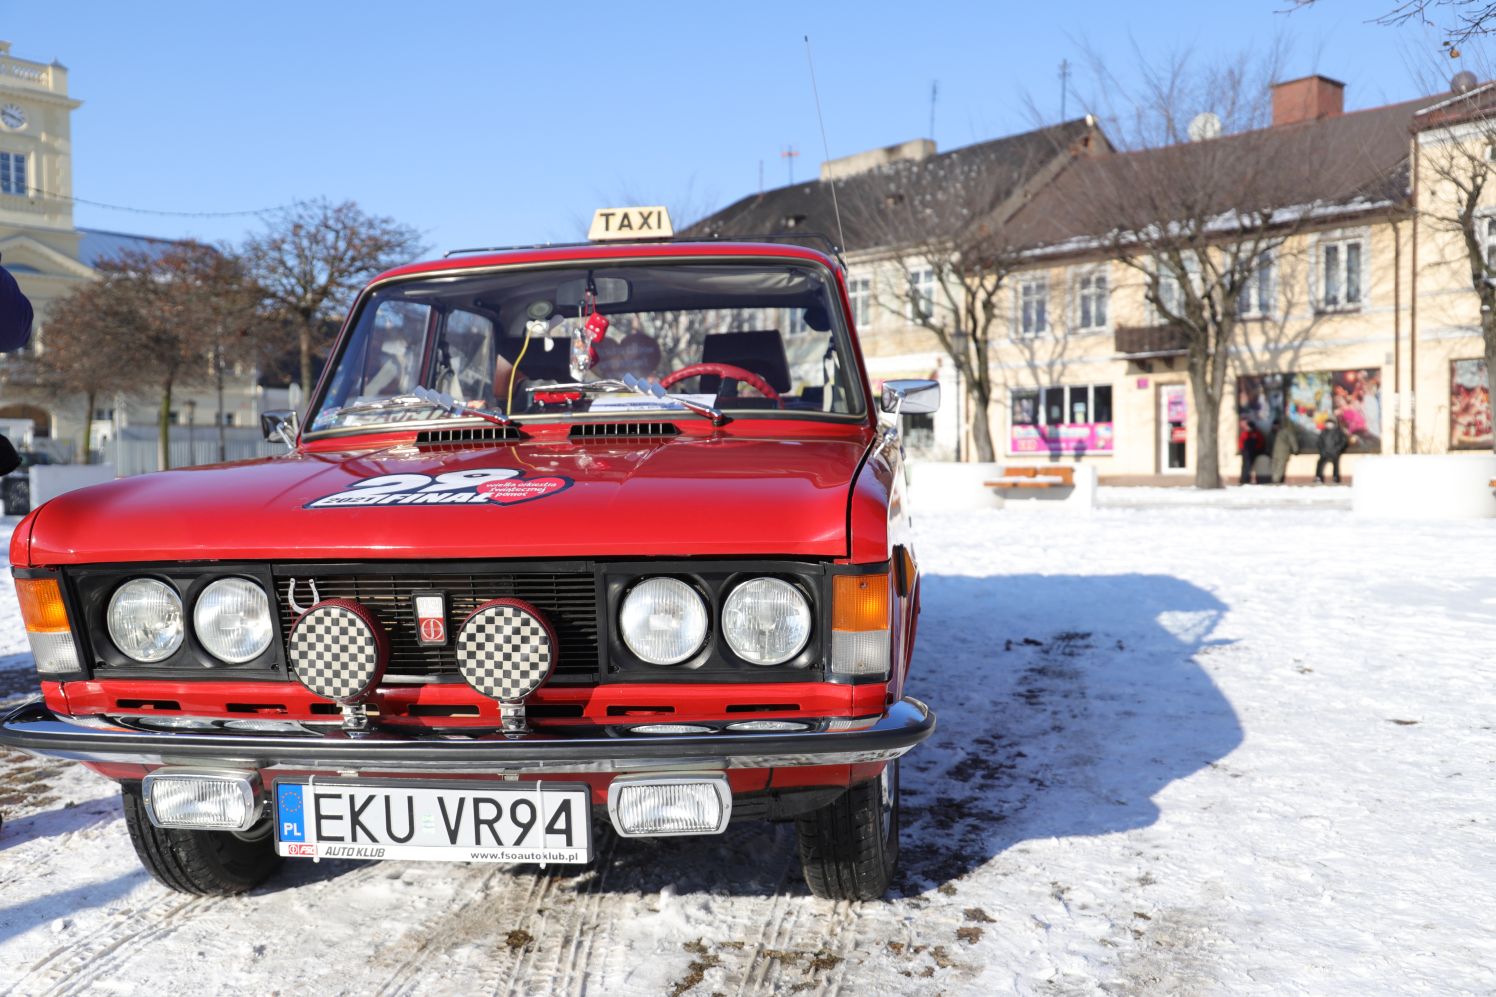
(681, 496)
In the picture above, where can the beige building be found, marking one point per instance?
(1360, 309)
(49, 256)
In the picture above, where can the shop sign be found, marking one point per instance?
(1067, 438)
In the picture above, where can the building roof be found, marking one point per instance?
(96, 245)
(1332, 166)
(942, 190)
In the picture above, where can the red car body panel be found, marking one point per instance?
(692, 495)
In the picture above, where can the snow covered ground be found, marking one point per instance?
(1181, 750)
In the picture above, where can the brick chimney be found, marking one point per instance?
(1307, 99)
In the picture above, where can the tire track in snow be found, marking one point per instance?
(73, 967)
(581, 924)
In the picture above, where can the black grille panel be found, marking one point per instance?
(568, 600)
(609, 430)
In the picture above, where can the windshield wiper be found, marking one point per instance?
(451, 406)
(632, 383)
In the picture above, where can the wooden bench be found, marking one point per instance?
(1033, 477)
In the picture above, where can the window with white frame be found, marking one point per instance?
(860, 293)
(1170, 302)
(1341, 263)
(1031, 311)
(921, 295)
(13, 173)
(1488, 231)
(1257, 294)
(1091, 300)
(1072, 419)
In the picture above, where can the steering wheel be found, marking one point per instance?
(724, 370)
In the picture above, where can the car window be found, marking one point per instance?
(750, 338)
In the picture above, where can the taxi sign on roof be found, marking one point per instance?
(610, 224)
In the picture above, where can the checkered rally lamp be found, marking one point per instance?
(338, 650)
(506, 650)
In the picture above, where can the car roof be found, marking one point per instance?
(605, 252)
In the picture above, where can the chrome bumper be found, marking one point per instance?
(34, 728)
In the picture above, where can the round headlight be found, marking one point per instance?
(766, 621)
(663, 621)
(145, 620)
(232, 619)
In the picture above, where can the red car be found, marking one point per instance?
(610, 531)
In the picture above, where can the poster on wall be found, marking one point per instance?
(1351, 397)
(1469, 404)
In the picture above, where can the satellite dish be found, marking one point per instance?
(1464, 81)
(1203, 126)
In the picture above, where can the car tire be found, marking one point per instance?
(849, 848)
(207, 863)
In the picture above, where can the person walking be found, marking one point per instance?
(1250, 442)
(1285, 445)
(1332, 443)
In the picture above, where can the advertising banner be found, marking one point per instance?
(1469, 404)
(1310, 400)
(1066, 438)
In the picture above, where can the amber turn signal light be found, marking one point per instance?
(42, 610)
(859, 602)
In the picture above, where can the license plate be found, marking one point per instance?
(519, 822)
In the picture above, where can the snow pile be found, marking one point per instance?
(1181, 750)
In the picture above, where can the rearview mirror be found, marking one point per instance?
(910, 397)
(280, 424)
(610, 291)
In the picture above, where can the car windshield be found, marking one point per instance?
(756, 340)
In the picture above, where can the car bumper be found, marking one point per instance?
(34, 728)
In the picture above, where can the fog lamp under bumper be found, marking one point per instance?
(665, 806)
(202, 799)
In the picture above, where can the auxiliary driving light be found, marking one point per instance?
(202, 800)
(663, 806)
(506, 650)
(338, 650)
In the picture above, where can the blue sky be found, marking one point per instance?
(497, 123)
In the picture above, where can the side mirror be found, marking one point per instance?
(910, 397)
(280, 424)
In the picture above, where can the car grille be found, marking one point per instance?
(568, 600)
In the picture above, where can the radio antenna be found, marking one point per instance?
(841, 236)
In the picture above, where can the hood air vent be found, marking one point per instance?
(615, 430)
(472, 434)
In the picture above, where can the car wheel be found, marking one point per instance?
(849, 848)
(210, 863)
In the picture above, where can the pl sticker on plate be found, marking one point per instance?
(475, 486)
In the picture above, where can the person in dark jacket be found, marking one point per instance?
(15, 330)
(1251, 444)
(1332, 443)
(15, 314)
(1285, 445)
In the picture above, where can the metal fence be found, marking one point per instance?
(136, 450)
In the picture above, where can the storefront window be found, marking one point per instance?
(1073, 419)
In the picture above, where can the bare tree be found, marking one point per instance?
(1456, 166)
(1198, 217)
(313, 259)
(1460, 20)
(940, 231)
(86, 352)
